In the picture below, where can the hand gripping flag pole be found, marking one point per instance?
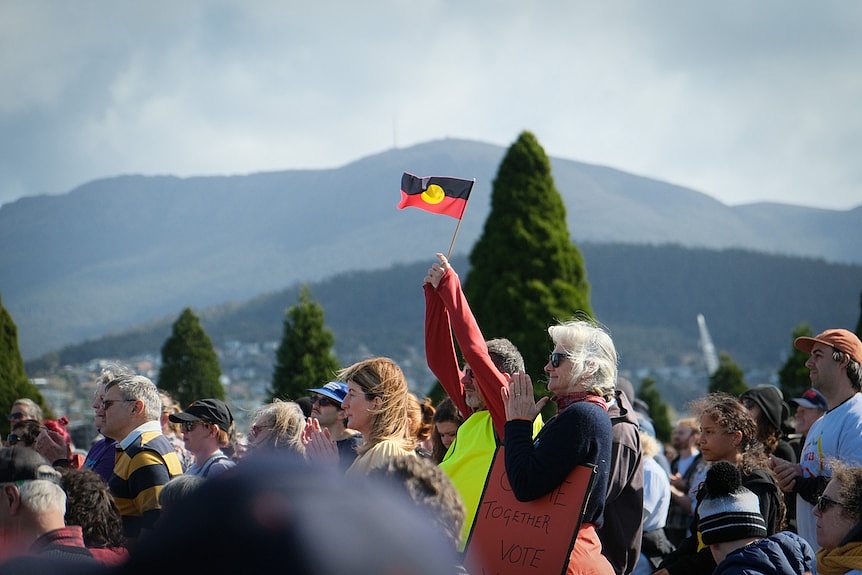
(438, 195)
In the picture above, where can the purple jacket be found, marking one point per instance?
(101, 458)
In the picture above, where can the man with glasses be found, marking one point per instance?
(24, 410)
(102, 454)
(145, 459)
(475, 391)
(207, 425)
(326, 408)
(835, 366)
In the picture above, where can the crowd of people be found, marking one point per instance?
(364, 476)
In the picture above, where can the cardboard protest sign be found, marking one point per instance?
(511, 537)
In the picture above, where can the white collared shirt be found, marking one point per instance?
(154, 425)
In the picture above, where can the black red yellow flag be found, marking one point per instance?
(447, 196)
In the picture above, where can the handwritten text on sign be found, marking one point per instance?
(512, 537)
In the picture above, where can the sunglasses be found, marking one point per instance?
(189, 425)
(324, 401)
(106, 403)
(557, 358)
(16, 415)
(824, 503)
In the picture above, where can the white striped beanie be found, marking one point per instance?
(729, 511)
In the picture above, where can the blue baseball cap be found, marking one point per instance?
(334, 390)
(812, 399)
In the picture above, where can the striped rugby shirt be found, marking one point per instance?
(145, 461)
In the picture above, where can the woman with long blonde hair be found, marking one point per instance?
(376, 405)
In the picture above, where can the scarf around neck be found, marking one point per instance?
(840, 560)
(564, 401)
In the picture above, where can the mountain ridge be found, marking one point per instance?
(119, 251)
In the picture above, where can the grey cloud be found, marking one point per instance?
(745, 101)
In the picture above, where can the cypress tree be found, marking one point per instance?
(793, 376)
(659, 411)
(525, 272)
(304, 358)
(728, 377)
(190, 368)
(13, 379)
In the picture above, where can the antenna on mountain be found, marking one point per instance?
(706, 345)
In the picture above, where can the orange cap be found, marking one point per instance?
(840, 339)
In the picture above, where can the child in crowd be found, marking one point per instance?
(728, 433)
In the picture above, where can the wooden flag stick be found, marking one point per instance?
(458, 227)
(455, 235)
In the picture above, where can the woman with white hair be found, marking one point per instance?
(278, 425)
(582, 372)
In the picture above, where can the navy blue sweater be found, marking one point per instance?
(579, 435)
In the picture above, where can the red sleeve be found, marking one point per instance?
(440, 350)
(489, 380)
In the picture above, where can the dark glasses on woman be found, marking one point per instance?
(189, 425)
(824, 503)
(557, 358)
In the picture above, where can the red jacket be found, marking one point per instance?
(448, 304)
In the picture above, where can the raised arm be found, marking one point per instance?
(439, 347)
(489, 379)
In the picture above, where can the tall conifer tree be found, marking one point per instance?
(525, 271)
(304, 359)
(793, 376)
(728, 377)
(13, 379)
(190, 368)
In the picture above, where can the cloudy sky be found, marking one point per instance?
(744, 100)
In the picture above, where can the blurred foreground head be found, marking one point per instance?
(277, 513)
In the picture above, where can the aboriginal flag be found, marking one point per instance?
(447, 196)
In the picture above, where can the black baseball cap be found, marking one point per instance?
(208, 410)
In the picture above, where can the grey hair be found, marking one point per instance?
(112, 372)
(32, 407)
(592, 353)
(505, 355)
(139, 388)
(178, 489)
(287, 421)
(42, 496)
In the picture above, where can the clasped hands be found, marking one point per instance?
(519, 399)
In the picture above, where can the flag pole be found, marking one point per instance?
(458, 227)
(455, 235)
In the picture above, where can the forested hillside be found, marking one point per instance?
(649, 297)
